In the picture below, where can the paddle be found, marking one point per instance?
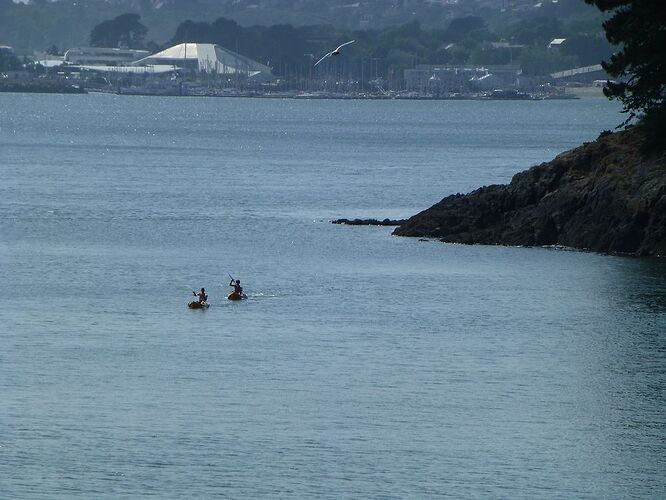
(241, 294)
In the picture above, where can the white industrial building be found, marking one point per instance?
(209, 58)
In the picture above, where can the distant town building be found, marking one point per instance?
(6, 50)
(366, 20)
(583, 75)
(557, 43)
(103, 56)
(439, 79)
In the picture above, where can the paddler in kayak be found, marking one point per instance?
(238, 289)
(202, 296)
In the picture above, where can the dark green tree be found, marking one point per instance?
(540, 61)
(588, 48)
(123, 31)
(639, 28)
(190, 31)
(462, 27)
(538, 31)
(53, 50)
(9, 62)
(284, 44)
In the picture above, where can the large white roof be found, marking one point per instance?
(210, 57)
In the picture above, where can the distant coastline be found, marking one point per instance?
(40, 86)
(59, 86)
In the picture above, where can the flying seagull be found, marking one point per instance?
(335, 52)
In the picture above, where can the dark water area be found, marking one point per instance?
(361, 365)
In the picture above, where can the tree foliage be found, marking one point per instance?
(464, 26)
(540, 61)
(123, 31)
(280, 44)
(589, 49)
(9, 62)
(639, 28)
(465, 40)
(538, 31)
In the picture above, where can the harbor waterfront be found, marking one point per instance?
(177, 89)
(361, 365)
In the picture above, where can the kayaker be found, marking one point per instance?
(238, 289)
(202, 295)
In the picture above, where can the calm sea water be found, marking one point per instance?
(362, 365)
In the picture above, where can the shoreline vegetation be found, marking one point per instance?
(606, 196)
(40, 86)
(49, 86)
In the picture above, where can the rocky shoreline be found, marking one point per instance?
(370, 222)
(606, 196)
(40, 86)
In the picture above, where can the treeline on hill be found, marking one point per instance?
(9, 62)
(29, 25)
(468, 40)
(291, 48)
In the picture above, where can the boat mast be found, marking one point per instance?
(182, 78)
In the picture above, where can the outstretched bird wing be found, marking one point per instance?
(336, 51)
(320, 60)
(346, 43)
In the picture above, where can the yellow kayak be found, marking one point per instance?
(236, 296)
(198, 305)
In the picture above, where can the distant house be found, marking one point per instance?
(506, 45)
(366, 20)
(6, 50)
(557, 43)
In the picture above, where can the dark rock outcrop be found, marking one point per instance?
(369, 222)
(605, 196)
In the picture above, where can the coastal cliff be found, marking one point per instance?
(606, 196)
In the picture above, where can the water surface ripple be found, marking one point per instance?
(361, 365)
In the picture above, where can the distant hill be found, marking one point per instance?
(41, 24)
